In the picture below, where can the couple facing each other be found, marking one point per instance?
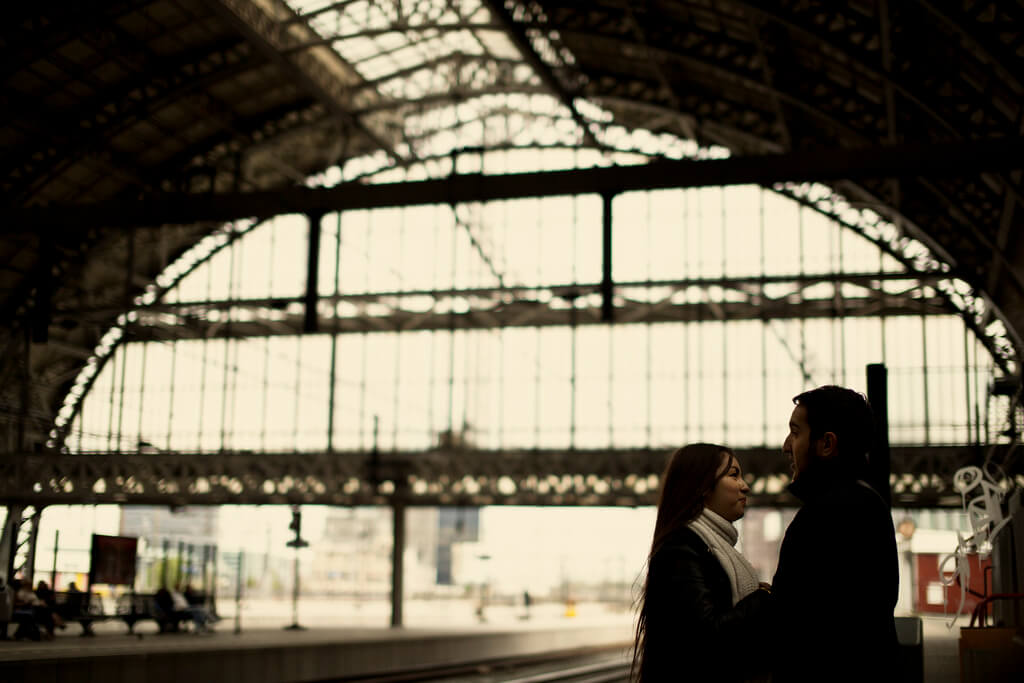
(828, 613)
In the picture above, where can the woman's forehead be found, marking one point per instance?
(728, 460)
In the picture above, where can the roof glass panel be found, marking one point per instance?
(449, 73)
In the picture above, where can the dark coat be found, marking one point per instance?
(837, 582)
(693, 631)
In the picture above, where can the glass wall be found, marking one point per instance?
(692, 354)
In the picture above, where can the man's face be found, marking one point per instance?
(797, 446)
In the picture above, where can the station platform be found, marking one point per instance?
(276, 655)
(284, 656)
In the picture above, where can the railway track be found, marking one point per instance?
(590, 665)
(613, 671)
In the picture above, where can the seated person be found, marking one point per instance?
(167, 614)
(75, 607)
(29, 611)
(49, 599)
(192, 596)
(198, 613)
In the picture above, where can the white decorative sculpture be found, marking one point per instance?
(985, 514)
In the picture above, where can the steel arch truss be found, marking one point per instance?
(921, 477)
(714, 299)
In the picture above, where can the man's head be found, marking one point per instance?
(829, 422)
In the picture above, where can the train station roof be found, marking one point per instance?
(114, 108)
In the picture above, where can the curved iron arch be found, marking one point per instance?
(827, 202)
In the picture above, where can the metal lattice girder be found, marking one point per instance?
(87, 130)
(18, 542)
(322, 72)
(753, 298)
(939, 159)
(922, 476)
(9, 542)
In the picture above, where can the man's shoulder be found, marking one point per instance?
(853, 516)
(857, 498)
(843, 494)
(844, 500)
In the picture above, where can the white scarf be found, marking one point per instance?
(721, 537)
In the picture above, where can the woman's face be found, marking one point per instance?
(729, 497)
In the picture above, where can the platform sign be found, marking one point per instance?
(113, 560)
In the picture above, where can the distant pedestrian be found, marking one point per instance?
(838, 575)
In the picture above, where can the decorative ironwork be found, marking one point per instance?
(921, 477)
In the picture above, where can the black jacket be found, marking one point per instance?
(837, 582)
(693, 631)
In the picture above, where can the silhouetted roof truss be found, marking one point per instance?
(140, 98)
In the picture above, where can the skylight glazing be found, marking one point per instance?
(446, 68)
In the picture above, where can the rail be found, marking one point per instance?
(578, 666)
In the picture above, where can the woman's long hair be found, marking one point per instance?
(691, 474)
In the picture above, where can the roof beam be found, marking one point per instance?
(402, 28)
(986, 46)
(869, 281)
(566, 476)
(505, 308)
(322, 79)
(812, 36)
(519, 38)
(91, 124)
(953, 159)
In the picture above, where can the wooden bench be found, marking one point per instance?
(65, 608)
(130, 608)
(81, 608)
(136, 607)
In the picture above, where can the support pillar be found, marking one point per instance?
(607, 284)
(204, 571)
(1008, 564)
(211, 591)
(180, 567)
(312, 320)
(56, 547)
(332, 389)
(33, 540)
(879, 463)
(163, 564)
(397, 566)
(9, 542)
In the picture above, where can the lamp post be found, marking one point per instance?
(296, 543)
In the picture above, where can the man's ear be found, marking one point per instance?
(828, 445)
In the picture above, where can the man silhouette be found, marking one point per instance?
(837, 581)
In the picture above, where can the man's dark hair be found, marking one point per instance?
(847, 414)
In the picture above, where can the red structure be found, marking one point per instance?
(930, 590)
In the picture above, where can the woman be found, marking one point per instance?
(703, 613)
